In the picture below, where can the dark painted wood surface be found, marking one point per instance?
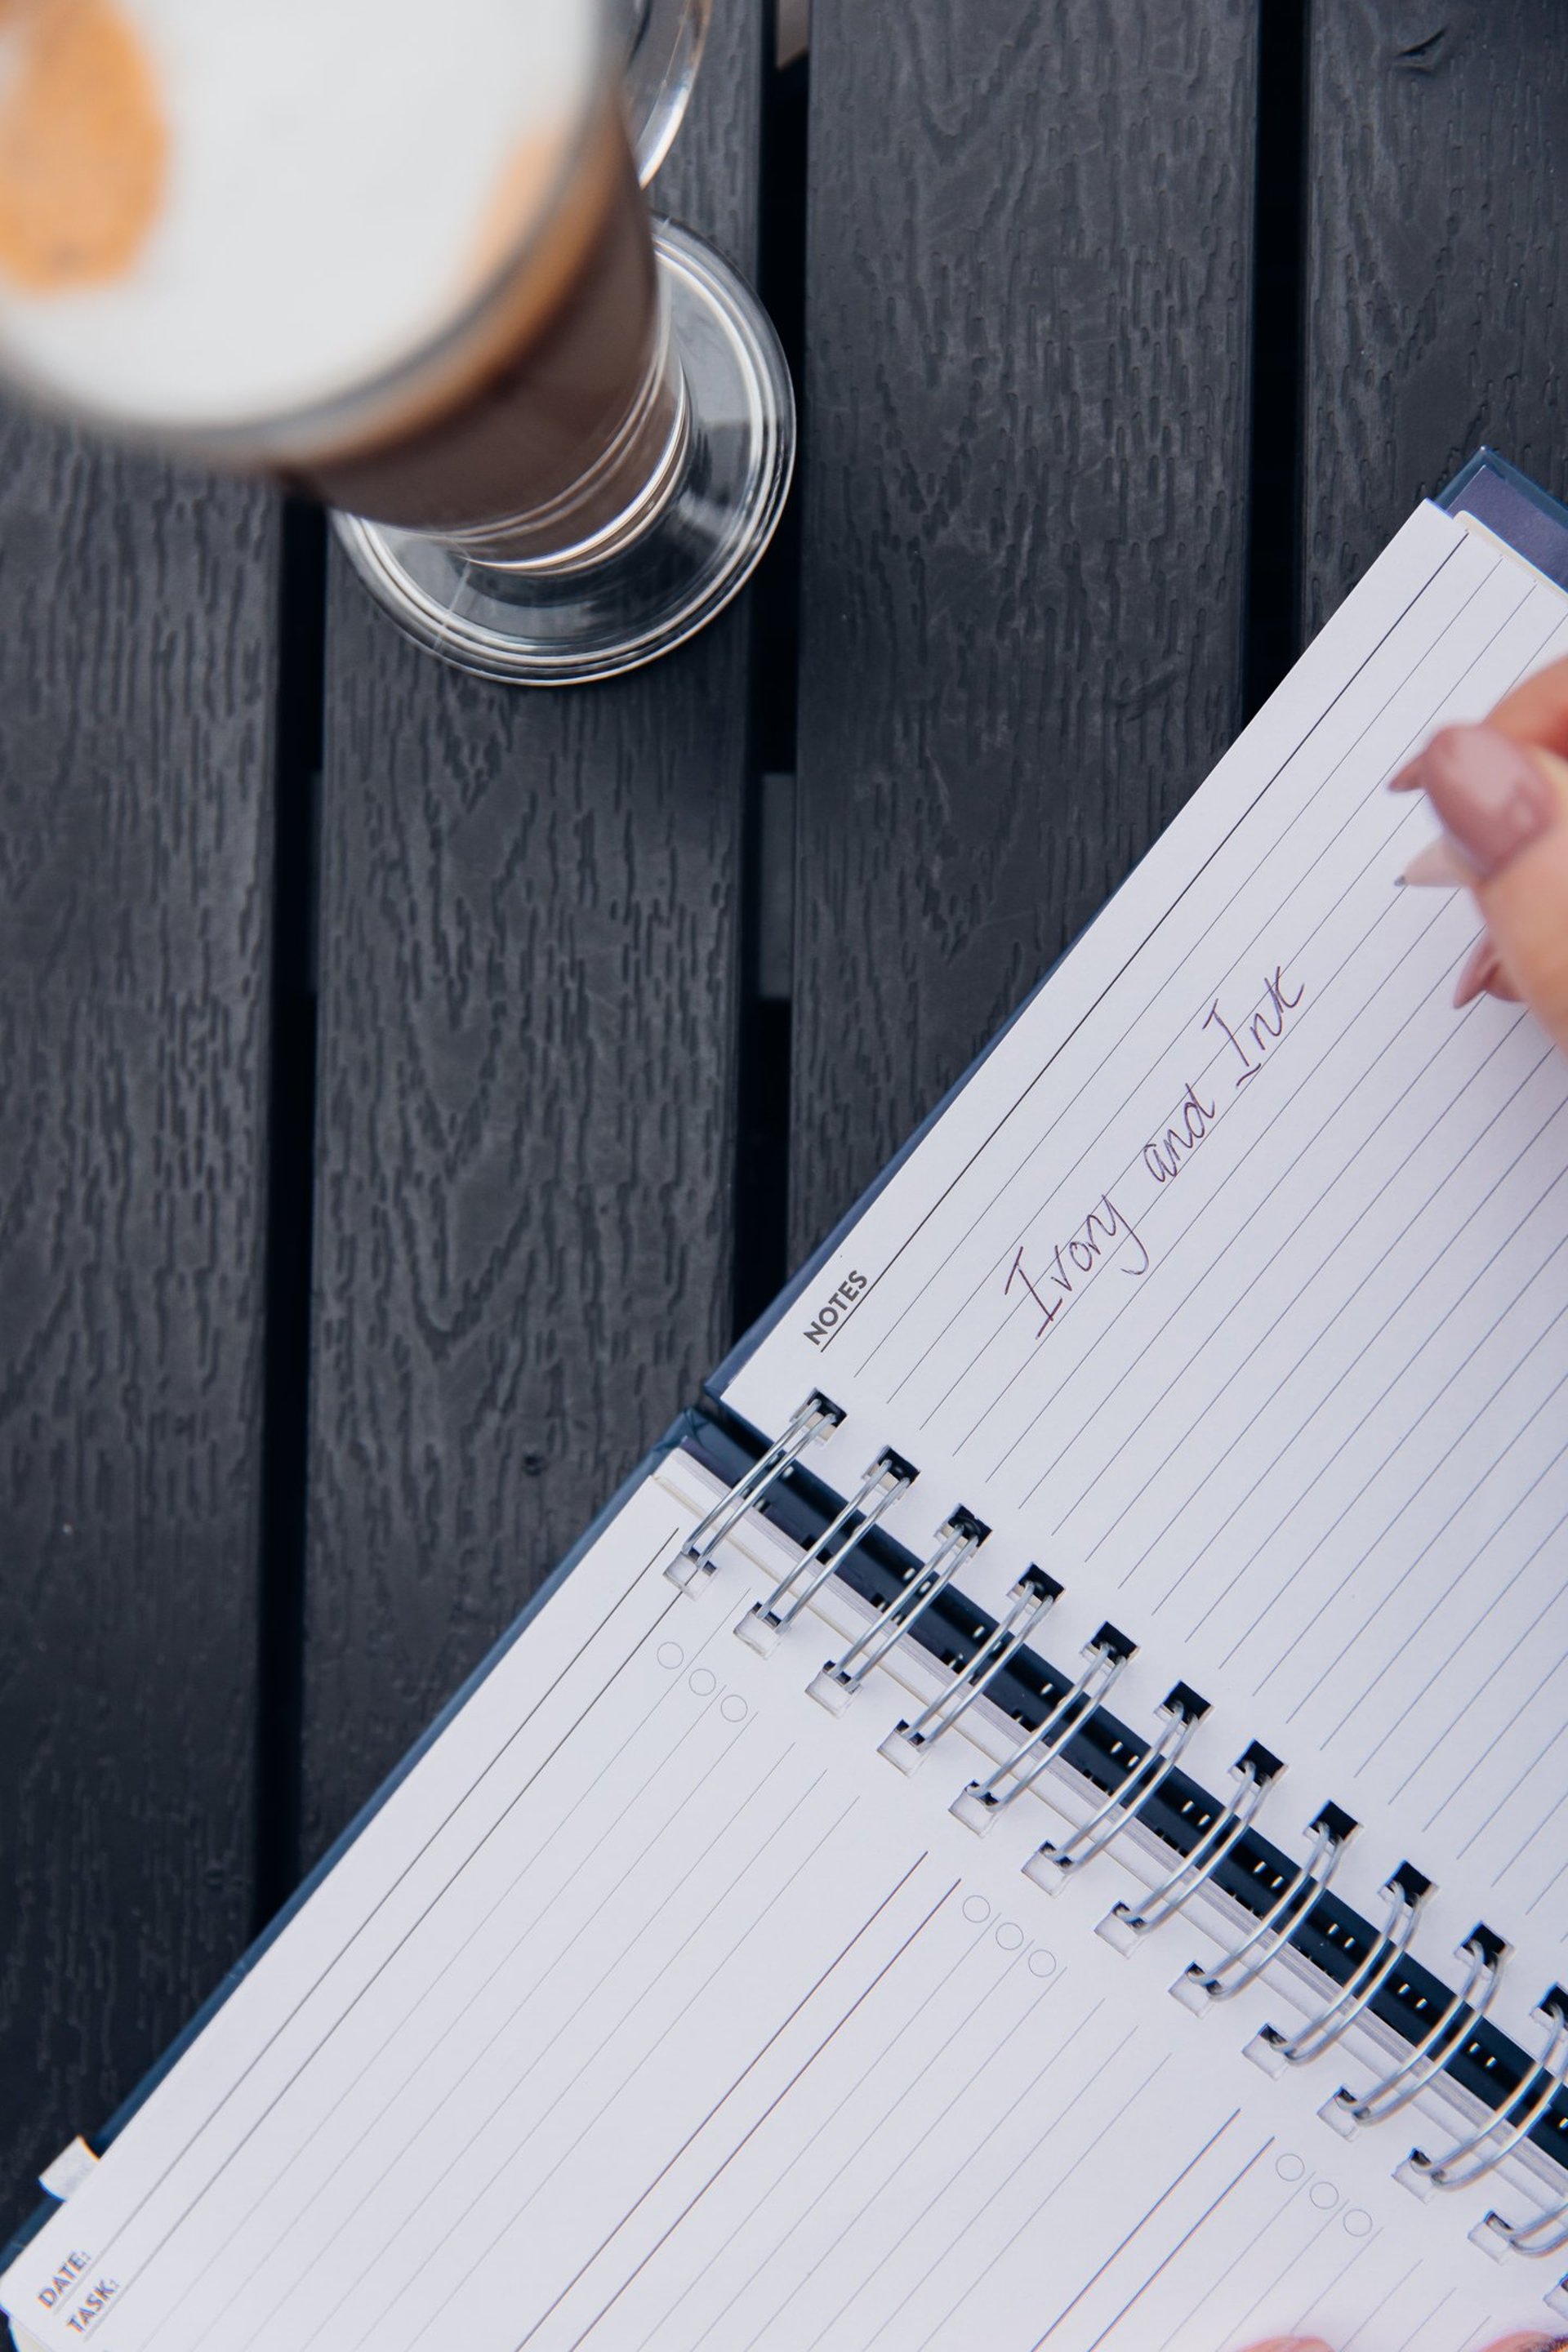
(1438, 276)
(1023, 523)
(136, 688)
(528, 1013)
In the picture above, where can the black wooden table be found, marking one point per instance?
(408, 1085)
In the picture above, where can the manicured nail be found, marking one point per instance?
(1478, 971)
(1439, 866)
(1492, 799)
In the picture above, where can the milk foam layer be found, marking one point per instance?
(339, 178)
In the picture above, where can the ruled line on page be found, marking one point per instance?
(1110, 2125)
(1378, 2309)
(1061, 2118)
(1553, 1812)
(1185, 2238)
(912, 2082)
(599, 1695)
(1477, 1694)
(509, 2018)
(827, 2042)
(1074, 1363)
(1391, 1591)
(1553, 1735)
(767, 2197)
(1265, 927)
(1307, 1155)
(1385, 911)
(1330, 2285)
(1141, 944)
(1440, 1600)
(1462, 1640)
(1235, 1366)
(1205, 1204)
(1551, 1884)
(408, 2279)
(527, 1868)
(963, 2170)
(1233, 2328)
(345, 2158)
(1421, 2325)
(1401, 1236)
(1073, 1367)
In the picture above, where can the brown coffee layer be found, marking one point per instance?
(539, 411)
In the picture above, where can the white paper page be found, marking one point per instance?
(1234, 1288)
(657, 2008)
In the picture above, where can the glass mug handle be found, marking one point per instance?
(664, 50)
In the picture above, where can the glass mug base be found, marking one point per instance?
(664, 578)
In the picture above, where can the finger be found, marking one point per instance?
(1506, 809)
(1537, 711)
(1479, 973)
(1439, 866)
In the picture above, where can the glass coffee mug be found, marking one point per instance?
(398, 255)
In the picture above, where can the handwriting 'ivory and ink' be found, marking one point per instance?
(1040, 1819)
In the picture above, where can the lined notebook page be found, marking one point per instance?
(657, 2009)
(1234, 1288)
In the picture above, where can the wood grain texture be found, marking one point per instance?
(1439, 183)
(528, 1013)
(136, 681)
(1023, 523)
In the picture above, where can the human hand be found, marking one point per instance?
(1527, 2343)
(1501, 792)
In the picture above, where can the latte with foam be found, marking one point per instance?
(392, 247)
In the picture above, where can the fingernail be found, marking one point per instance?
(1503, 988)
(1439, 866)
(1491, 795)
(1478, 971)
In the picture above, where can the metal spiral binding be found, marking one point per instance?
(766, 1621)
(1274, 2051)
(1178, 1718)
(1126, 1924)
(1485, 2147)
(815, 1418)
(978, 1805)
(1546, 2235)
(909, 1744)
(1482, 1953)
(1198, 1987)
(960, 1534)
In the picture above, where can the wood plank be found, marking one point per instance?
(1024, 527)
(137, 642)
(1437, 273)
(528, 1009)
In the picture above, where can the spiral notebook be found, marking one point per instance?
(1039, 1818)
